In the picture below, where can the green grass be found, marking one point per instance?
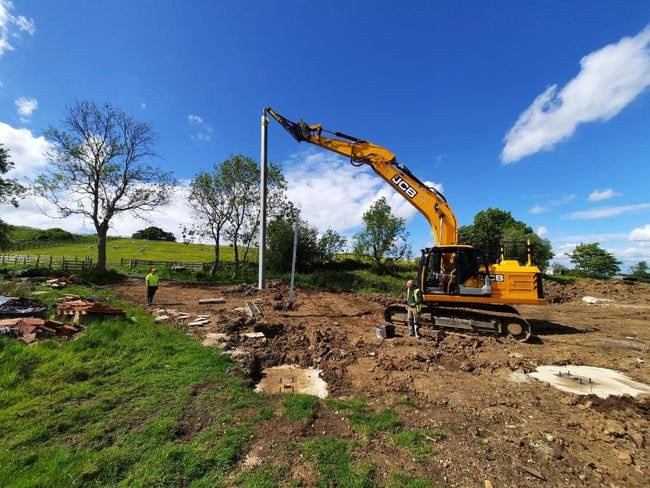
(346, 274)
(420, 443)
(333, 460)
(364, 421)
(110, 408)
(123, 248)
(299, 407)
(137, 404)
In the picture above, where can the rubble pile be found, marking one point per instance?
(86, 310)
(20, 307)
(28, 329)
(58, 283)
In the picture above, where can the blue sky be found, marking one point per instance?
(540, 108)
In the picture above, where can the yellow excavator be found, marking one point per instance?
(461, 290)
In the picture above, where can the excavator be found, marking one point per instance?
(461, 290)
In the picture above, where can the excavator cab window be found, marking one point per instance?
(449, 270)
(439, 265)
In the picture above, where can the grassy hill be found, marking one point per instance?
(344, 273)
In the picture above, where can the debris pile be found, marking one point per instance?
(28, 329)
(58, 283)
(86, 310)
(20, 307)
(171, 314)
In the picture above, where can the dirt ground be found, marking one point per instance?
(502, 428)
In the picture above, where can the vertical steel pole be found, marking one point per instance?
(293, 259)
(262, 249)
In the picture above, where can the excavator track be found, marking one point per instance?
(500, 320)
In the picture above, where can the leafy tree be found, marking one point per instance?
(101, 167)
(241, 176)
(154, 234)
(557, 269)
(542, 253)
(211, 207)
(280, 236)
(226, 203)
(384, 236)
(493, 226)
(10, 192)
(331, 243)
(55, 234)
(640, 270)
(594, 262)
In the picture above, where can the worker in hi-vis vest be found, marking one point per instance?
(152, 285)
(413, 308)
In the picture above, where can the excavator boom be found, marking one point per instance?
(461, 290)
(427, 200)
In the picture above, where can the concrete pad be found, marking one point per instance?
(585, 380)
(292, 379)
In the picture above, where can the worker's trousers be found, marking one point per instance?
(413, 319)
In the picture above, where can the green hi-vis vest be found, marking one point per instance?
(152, 279)
(414, 295)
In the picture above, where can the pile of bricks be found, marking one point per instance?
(83, 310)
(28, 329)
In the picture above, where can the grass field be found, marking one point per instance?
(138, 404)
(345, 273)
(124, 248)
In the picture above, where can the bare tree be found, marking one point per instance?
(101, 167)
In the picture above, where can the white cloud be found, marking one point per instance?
(603, 212)
(641, 234)
(337, 198)
(542, 231)
(36, 212)
(537, 209)
(202, 130)
(598, 195)
(11, 26)
(194, 119)
(25, 150)
(608, 80)
(25, 107)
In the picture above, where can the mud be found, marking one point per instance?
(500, 425)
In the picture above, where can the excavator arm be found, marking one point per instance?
(427, 200)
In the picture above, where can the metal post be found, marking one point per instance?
(262, 247)
(293, 259)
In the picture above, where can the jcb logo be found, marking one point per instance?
(404, 186)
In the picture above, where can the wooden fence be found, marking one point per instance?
(80, 264)
(148, 263)
(49, 262)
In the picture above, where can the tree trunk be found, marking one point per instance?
(102, 230)
(215, 264)
(236, 271)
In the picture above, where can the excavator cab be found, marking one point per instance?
(454, 270)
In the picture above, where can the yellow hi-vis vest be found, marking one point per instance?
(151, 279)
(414, 296)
